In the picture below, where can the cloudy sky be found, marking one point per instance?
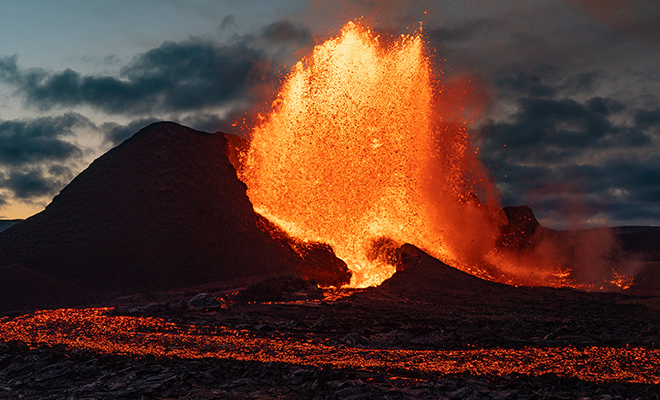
(568, 90)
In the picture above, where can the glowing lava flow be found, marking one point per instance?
(90, 329)
(354, 155)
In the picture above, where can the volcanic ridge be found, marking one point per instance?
(162, 210)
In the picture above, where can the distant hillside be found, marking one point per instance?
(7, 223)
(624, 256)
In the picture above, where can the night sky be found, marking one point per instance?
(568, 91)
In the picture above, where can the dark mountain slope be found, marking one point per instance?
(164, 209)
(8, 223)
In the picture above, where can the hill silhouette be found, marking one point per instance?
(421, 277)
(164, 209)
(8, 223)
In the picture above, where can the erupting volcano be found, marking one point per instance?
(356, 153)
(184, 292)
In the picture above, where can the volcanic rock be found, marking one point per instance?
(317, 261)
(520, 228)
(164, 209)
(422, 277)
(237, 147)
(282, 288)
(203, 301)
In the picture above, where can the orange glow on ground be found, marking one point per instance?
(90, 329)
(622, 281)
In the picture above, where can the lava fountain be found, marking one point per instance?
(356, 154)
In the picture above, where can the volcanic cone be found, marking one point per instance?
(162, 210)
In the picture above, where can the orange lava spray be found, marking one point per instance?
(353, 152)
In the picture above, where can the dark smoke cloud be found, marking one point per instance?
(182, 76)
(211, 122)
(391, 13)
(31, 183)
(546, 80)
(443, 36)
(637, 18)
(648, 118)
(9, 72)
(35, 155)
(641, 179)
(228, 23)
(284, 42)
(191, 75)
(39, 140)
(285, 31)
(528, 84)
(565, 126)
(576, 106)
(558, 152)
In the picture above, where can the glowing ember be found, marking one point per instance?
(622, 281)
(354, 155)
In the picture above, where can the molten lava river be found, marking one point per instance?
(92, 329)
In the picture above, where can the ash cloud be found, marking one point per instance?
(30, 183)
(35, 154)
(190, 75)
(38, 140)
(181, 76)
(286, 31)
(462, 33)
(560, 153)
(637, 18)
